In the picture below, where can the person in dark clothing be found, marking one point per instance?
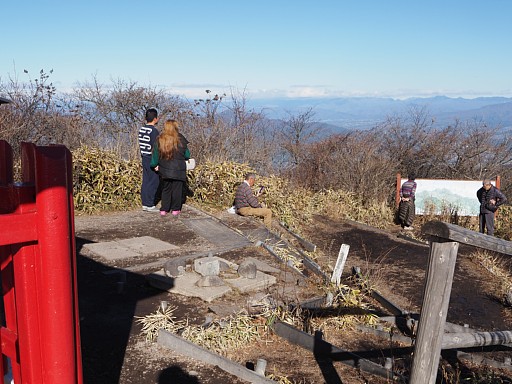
(406, 208)
(149, 191)
(490, 199)
(169, 159)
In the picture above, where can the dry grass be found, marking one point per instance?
(499, 267)
(226, 335)
(104, 182)
(214, 187)
(161, 319)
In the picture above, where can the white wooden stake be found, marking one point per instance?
(340, 264)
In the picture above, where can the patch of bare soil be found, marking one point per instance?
(114, 351)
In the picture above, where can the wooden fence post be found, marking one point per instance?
(438, 286)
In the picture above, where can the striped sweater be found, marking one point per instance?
(245, 198)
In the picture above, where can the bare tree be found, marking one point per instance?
(353, 162)
(297, 132)
(36, 114)
(225, 128)
(115, 112)
(404, 137)
(252, 137)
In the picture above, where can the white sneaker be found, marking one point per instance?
(150, 209)
(408, 228)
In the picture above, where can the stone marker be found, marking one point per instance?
(247, 269)
(174, 268)
(207, 266)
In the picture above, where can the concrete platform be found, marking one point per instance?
(129, 248)
(186, 285)
(216, 232)
(243, 284)
(262, 266)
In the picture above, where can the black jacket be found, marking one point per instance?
(484, 197)
(175, 168)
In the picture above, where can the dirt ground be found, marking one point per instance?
(114, 350)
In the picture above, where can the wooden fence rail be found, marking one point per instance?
(444, 242)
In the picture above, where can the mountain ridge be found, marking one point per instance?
(350, 113)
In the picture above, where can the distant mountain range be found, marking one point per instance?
(345, 114)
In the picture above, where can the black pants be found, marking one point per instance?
(172, 195)
(406, 213)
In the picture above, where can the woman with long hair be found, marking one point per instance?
(169, 159)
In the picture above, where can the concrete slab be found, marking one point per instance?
(186, 285)
(111, 250)
(148, 245)
(128, 248)
(216, 232)
(224, 310)
(262, 266)
(244, 284)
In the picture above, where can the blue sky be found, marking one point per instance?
(268, 48)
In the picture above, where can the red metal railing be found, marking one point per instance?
(40, 330)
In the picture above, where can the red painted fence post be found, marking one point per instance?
(56, 275)
(38, 267)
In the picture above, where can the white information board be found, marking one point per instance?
(436, 196)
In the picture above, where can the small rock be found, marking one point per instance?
(260, 299)
(247, 269)
(174, 268)
(223, 266)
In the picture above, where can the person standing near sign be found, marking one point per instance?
(406, 208)
(490, 199)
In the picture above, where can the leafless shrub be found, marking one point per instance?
(114, 113)
(296, 133)
(34, 114)
(353, 162)
(225, 129)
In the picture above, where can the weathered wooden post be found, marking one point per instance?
(444, 244)
(438, 286)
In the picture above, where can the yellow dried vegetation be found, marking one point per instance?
(214, 186)
(103, 181)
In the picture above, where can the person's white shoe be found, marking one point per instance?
(150, 209)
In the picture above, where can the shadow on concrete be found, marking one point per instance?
(108, 299)
(174, 374)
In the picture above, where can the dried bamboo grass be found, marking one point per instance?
(226, 334)
(102, 181)
(161, 319)
(214, 185)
